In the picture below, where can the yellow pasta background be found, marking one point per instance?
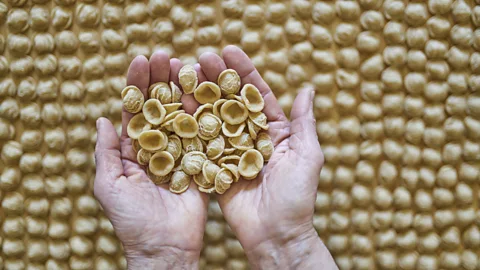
(397, 106)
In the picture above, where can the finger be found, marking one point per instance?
(175, 66)
(138, 75)
(303, 134)
(159, 67)
(236, 59)
(279, 125)
(107, 157)
(212, 65)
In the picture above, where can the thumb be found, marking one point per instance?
(107, 157)
(303, 133)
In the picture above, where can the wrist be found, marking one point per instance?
(293, 250)
(166, 258)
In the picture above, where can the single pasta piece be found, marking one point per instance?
(185, 126)
(188, 79)
(209, 126)
(209, 171)
(137, 125)
(233, 112)
(259, 119)
(143, 156)
(192, 162)
(252, 129)
(252, 98)
(172, 107)
(232, 130)
(217, 105)
(132, 98)
(207, 92)
(160, 91)
(201, 181)
(250, 164)
(176, 93)
(154, 111)
(153, 140)
(161, 163)
(229, 82)
(215, 148)
(174, 146)
(243, 142)
(264, 145)
(179, 182)
(230, 159)
(158, 180)
(223, 181)
(192, 144)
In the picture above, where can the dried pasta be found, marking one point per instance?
(220, 143)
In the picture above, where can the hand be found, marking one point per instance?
(158, 229)
(272, 215)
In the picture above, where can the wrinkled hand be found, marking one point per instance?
(272, 215)
(158, 229)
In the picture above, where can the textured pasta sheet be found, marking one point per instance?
(397, 106)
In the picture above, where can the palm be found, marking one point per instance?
(147, 218)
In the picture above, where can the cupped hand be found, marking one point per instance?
(158, 229)
(272, 214)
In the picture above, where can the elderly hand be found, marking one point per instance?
(158, 229)
(272, 215)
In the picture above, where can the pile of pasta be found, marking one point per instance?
(225, 139)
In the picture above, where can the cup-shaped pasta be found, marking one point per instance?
(135, 145)
(229, 151)
(209, 171)
(159, 180)
(232, 130)
(192, 144)
(229, 82)
(252, 98)
(153, 140)
(204, 108)
(154, 111)
(167, 126)
(174, 146)
(161, 163)
(252, 129)
(217, 105)
(232, 168)
(172, 115)
(209, 126)
(207, 92)
(230, 159)
(172, 107)
(207, 190)
(251, 163)
(200, 180)
(161, 91)
(192, 162)
(132, 99)
(179, 182)
(143, 156)
(137, 125)
(185, 126)
(176, 93)
(187, 76)
(233, 112)
(215, 147)
(264, 145)
(223, 181)
(243, 142)
(259, 119)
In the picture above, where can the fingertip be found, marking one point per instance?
(190, 105)
(201, 76)
(139, 73)
(229, 49)
(212, 65)
(159, 67)
(175, 66)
